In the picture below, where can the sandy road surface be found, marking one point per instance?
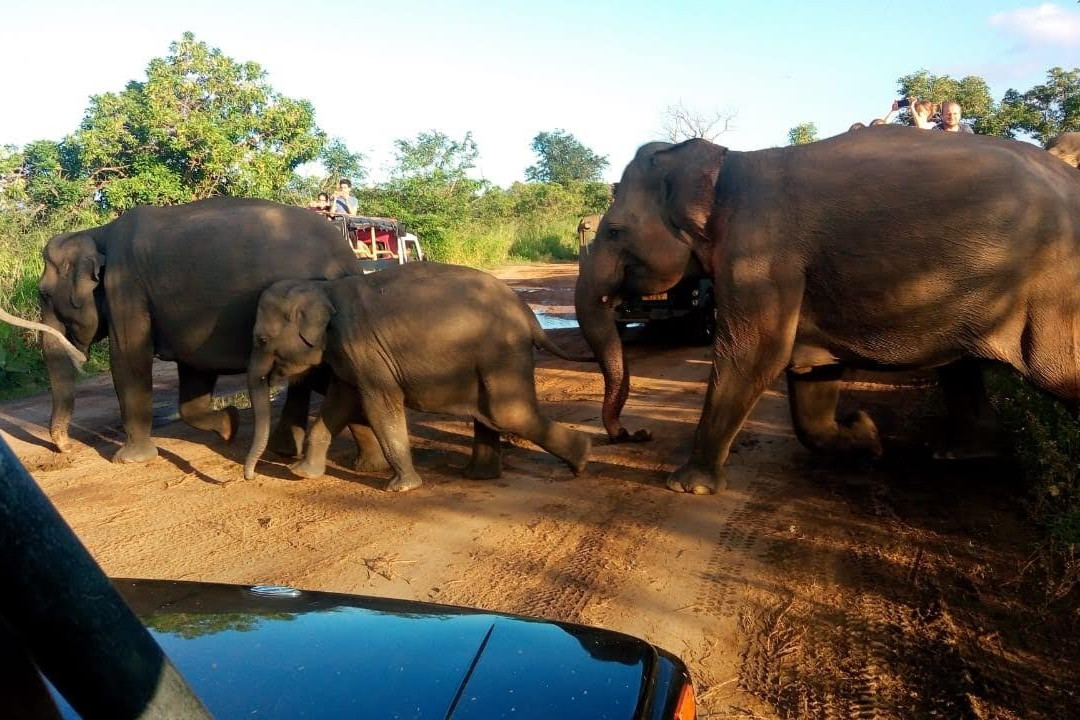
(809, 589)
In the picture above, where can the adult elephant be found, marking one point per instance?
(1066, 146)
(890, 249)
(181, 283)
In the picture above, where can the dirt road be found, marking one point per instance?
(807, 590)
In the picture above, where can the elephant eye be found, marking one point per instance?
(261, 341)
(44, 295)
(614, 233)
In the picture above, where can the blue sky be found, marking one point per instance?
(604, 71)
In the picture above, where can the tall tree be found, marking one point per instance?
(200, 124)
(802, 134)
(340, 162)
(429, 188)
(1048, 109)
(563, 159)
(435, 154)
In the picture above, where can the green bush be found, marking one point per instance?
(1046, 442)
(546, 241)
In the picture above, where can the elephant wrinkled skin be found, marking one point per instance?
(180, 283)
(890, 249)
(432, 337)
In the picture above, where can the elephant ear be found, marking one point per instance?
(86, 275)
(313, 317)
(688, 173)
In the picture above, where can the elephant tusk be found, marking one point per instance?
(76, 355)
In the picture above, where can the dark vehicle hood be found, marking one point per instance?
(291, 654)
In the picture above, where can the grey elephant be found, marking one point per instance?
(586, 231)
(432, 337)
(1066, 147)
(180, 283)
(889, 249)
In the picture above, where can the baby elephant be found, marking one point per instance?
(432, 337)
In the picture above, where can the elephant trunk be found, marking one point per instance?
(595, 308)
(259, 391)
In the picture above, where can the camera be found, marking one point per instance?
(903, 102)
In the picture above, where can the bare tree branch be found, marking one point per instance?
(682, 123)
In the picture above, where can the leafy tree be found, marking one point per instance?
(53, 177)
(201, 124)
(435, 154)
(429, 189)
(1049, 109)
(340, 162)
(802, 134)
(563, 159)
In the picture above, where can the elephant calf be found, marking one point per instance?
(432, 337)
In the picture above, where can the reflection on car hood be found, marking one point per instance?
(293, 654)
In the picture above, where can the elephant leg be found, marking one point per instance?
(386, 412)
(338, 408)
(131, 357)
(196, 392)
(752, 347)
(287, 439)
(972, 431)
(812, 398)
(369, 456)
(486, 460)
(508, 397)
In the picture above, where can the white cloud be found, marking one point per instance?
(1045, 24)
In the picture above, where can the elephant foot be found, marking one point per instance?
(135, 452)
(287, 441)
(483, 471)
(402, 483)
(692, 480)
(308, 469)
(365, 464)
(638, 436)
(861, 435)
(60, 440)
(230, 425)
(579, 454)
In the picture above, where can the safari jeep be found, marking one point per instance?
(688, 310)
(379, 242)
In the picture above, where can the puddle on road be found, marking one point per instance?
(556, 322)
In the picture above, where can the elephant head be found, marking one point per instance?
(289, 338)
(654, 231)
(1067, 147)
(72, 304)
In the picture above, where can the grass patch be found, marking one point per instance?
(523, 240)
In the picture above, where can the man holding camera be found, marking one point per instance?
(950, 118)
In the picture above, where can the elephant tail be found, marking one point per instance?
(544, 342)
